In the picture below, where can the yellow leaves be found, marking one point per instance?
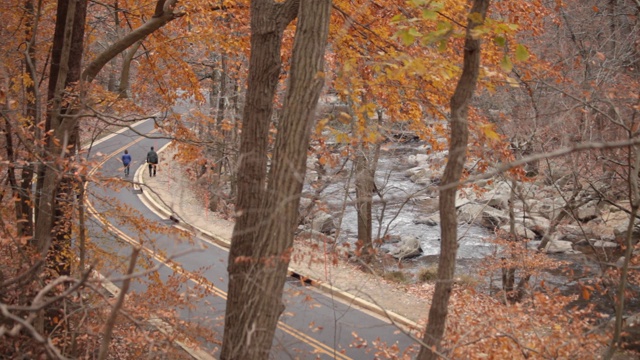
(321, 125)
(476, 18)
(342, 138)
(512, 82)
(504, 28)
(522, 54)
(442, 32)
(344, 117)
(408, 36)
(489, 132)
(429, 14)
(368, 109)
(398, 18)
(506, 64)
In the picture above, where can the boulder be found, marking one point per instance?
(620, 232)
(603, 244)
(391, 239)
(417, 159)
(520, 230)
(537, 224)
(482, 215)
(470, 213)
(596, 246)
(423, 177)
(323, 223)
(559, 246)
(465, 197)
(413, 171)
(305, 201)
(433, 220)
(547, 208)
(408, 247)
(492, 217)
(570, 232)
(588, 211)
(497, 197)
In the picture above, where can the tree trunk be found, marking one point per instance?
(365, 163)
(219, 87)
(452, 173)
(25, 209)
(261, 249)
(125, 75)
(364, 190)
(65, 71)
(233, 134)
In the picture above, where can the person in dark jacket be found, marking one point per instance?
(152, 160)
(126, 161)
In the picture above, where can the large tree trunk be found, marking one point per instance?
(452, 173)
(65, 71)
(261, 245)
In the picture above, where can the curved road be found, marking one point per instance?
(314, 324)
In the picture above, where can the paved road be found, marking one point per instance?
(314, 324)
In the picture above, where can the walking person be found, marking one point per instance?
(126, 161)
(152, 160)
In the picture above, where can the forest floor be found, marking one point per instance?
(406, 304)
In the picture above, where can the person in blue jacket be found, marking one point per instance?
(126, 161)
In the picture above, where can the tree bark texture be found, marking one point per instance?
(65, 71)
(259, 257)
(455, 163)
(364, 190)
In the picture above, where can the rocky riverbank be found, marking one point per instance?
(547, 212)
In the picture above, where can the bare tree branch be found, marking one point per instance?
(547, 155)
(156, 22)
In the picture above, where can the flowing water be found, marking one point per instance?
(406, 204)
(403, 205)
